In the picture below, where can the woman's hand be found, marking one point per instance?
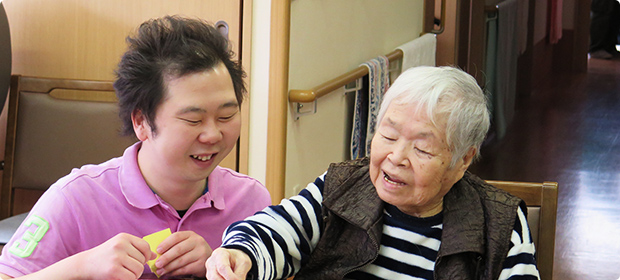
(228, 264)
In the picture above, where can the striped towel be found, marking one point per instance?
(378, 83)
(506, 67)
(360, 119)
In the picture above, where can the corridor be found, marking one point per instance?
(569, 131)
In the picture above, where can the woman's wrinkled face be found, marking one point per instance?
(410, 161)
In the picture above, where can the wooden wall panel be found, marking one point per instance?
(85, 38)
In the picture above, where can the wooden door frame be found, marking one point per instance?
(245, 51)
(278, 99)
(468, 34)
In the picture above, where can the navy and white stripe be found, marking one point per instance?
(520, 262)
(408, 249)
(281, 237)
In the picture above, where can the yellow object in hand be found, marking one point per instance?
(154, 239)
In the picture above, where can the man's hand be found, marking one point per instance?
(121, 257)
(183, 253)
(228, 264)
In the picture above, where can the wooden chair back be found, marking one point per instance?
(542, 204)
(55, 125)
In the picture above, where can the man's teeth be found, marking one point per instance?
(202, 158)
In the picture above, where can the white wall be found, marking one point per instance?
(259, 89)
(330, 38)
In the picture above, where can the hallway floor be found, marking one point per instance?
(569, 132)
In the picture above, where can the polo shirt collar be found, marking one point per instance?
(215, 195)
(133, 185)
(140, 195)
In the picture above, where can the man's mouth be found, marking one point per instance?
(202, 158)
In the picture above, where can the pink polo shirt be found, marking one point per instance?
(94, 203)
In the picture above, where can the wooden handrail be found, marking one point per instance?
(310, 95)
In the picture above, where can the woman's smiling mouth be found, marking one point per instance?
(391, 180)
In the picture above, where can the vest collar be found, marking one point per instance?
(361, 207)
(463, 220)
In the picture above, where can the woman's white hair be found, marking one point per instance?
(445, 92)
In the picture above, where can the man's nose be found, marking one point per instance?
(211, 133)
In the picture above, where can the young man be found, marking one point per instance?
(180, 94)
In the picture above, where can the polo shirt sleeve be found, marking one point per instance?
(47, 236)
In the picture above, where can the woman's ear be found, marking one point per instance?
(469, 158)
(140, 125)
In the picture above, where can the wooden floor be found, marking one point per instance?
(569, 132)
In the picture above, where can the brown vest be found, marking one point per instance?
(471, 247)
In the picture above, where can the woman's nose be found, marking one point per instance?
(399, 156)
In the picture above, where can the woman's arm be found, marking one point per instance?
(279, 238)
(520, 262)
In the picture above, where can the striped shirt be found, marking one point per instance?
(281, 237)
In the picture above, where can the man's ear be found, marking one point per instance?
(140, 125)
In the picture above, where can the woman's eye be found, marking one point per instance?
(422, 151)
(388, 138)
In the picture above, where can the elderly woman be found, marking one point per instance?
(411, 211)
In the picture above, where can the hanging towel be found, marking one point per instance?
(419, 52)
(506, 65)
(378, 83)
(522, 18)
(491, 77)
(555, 21)
(360, 120)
